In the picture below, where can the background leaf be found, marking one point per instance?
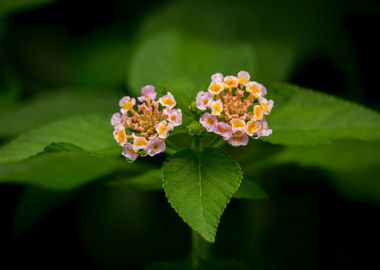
(58, 104)
(199, 187)
(183, 65)
(61, 171)
(313, 25)
(148, 181)
(92, 133)
(250, 190)
(353, 166)
(8, 7)
(101, 58)
(305, 117)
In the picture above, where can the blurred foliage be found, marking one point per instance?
(59, 171)
(60, 104)
(101, 59)
(92, 135)
(305, 117)
(352, 165)
(8, 7)
(281, 32)
(58, 89)
(183, 65)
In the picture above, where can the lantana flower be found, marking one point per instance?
(235, 108)
(141, 129)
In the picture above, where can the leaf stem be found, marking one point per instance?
(197, 146)
(200, 250)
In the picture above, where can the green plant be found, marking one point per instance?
(201, 174)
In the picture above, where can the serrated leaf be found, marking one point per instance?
(306, 117)
(152, 180)
(92, 133)
(199, 187)
(62, 104)
(183, 65)
(60, 171)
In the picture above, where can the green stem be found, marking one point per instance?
(197, 146)
(199, 250)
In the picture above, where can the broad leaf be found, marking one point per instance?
(148, 181)
(61, 171)
(92, 133)
(43, 109)
(352, 167)
(152, 180)
(199, 187)
(305, 117)
(183, 65)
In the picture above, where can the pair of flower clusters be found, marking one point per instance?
(235, 108)
(142, 129)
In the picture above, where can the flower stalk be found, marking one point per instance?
(199, 250)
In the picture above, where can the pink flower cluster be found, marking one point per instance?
(141, 129)
(235, 108)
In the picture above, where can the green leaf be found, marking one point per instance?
(152, 180)
(148, 181)
(8, 7)
(61, 171)
(34, 204)
(312, 31)
(92, 133)
(354, 166)
(8, 98)
(183, 65)
(250, 190)
(306, 117)
(45, 108)
(199, 187)
(101, 59)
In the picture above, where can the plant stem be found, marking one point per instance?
(197, 146)
(199, 250)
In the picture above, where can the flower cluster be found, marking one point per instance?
(235, 108)
(141, 129)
